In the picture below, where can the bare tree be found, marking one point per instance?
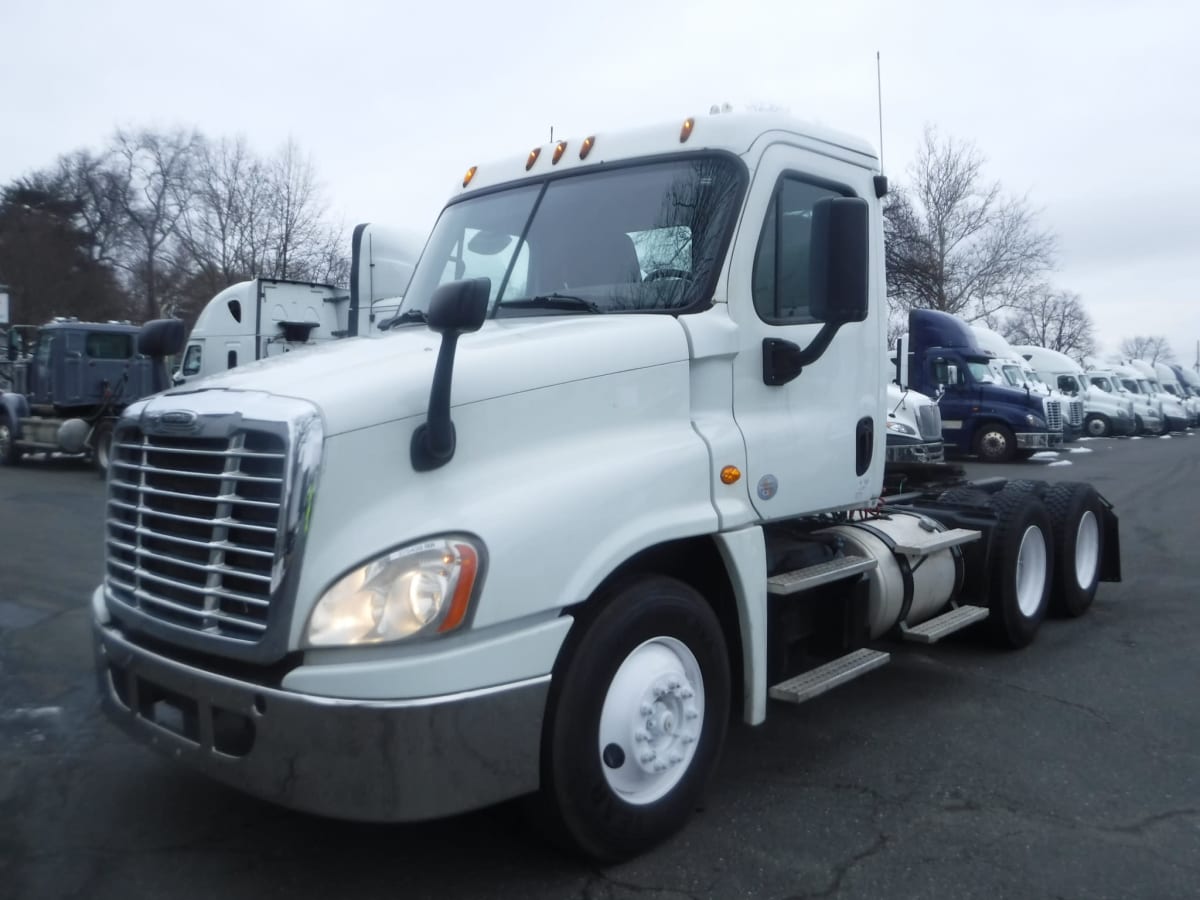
(156, 170)
(99, 192)
(1152, 349)
(958, 244)
(297, 228)
(1053, 319)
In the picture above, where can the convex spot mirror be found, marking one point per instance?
(838, 273)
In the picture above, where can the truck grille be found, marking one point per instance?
(193, 528)
(1075, 411)
(929, 421)
(1054, 420)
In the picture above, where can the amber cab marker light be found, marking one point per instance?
(587, 147)
(686, 131)
(533, 155)
(559, 149)
(470, 174)
(730, 474)
(462, 593)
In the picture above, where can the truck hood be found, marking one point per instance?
(360, 382)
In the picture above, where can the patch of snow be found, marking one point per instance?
(1086, 439)
(1081, 450)
(31, 713)
(1061, 462)
(1164, 437)
(1045, 454)
(1136, 437)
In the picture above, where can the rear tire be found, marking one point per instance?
(1077, 516)
(635, 721)
(9, 454)
(1022, 561)
(995, 442)
(102, 447)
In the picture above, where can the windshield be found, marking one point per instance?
(1131, 385)
(1013, 375)
(1145, 386)
(980, 372)
(1102, 383)
(644, 238)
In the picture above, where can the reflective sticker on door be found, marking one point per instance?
(768, 487)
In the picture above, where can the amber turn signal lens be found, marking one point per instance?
(587, 147)
(533, 155)
(730, 474)
(470, 174)
(686, 131)
(559, 149)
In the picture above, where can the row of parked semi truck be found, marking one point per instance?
(965, 389)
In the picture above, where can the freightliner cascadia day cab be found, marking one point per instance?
(1174, 415)
(266, 317)
(1018, 372)
(997, 422)
(1173, 385)
(1104, 413)
(614, 481)
(1148, 406)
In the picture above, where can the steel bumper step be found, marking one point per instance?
(817, 681)
(823, 573)
(947, 623)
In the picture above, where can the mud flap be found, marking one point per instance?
(1110, 564)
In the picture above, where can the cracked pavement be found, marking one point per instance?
(1070, 769)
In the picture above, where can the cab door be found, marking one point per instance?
(814, 439)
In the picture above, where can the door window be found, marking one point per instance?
(780, 282)
(191, 360)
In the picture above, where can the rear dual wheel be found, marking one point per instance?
(1022, 560)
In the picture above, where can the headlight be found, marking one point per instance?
(900, 428)
(1035, 422)
(420, 589)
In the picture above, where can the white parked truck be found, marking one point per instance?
(613, 482)
(1104, 413)
(1174, 385)
(1014, 369)
(914, 427)
(1174, 414)
(1148, 405)
(266, 317)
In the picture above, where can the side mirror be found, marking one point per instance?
(160, 338)
(952, 373)
(458, 307)
(178, 378)
(838, 273)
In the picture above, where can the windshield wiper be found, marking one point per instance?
(553, 301)
(411, 315)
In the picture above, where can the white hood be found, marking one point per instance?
(365, 381)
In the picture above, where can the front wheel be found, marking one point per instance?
(102, 447)
(1098, 426)
(995, 442)
(636, 719)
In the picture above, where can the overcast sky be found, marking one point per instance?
(1092, 108)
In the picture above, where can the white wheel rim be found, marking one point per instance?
(653, 712)
(1097, 428)
(1031, 571)
(1087, 549)
(995, 443)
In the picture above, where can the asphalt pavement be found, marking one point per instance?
(1070, 769)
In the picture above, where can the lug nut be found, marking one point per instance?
(640, 735)
(648, 756)
(645, 710)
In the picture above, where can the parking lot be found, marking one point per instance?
(1069, 769)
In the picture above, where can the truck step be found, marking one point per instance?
(822, 573)
(813, 683)
(947, 623)
(933, 541)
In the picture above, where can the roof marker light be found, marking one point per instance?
(470, 174)
(686, 131)
(587, 147)
(533, 155)
(559, 149)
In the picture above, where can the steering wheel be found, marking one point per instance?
(667, 272)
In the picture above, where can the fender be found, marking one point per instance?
(17, 407)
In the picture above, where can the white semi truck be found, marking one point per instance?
(914, 427)
(266, 317)
(1104, 413)
(1173, 411)
(1014, 369)
(613, 481)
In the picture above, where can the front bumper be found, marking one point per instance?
(917, 451)
(377, 761)
(1039, 440)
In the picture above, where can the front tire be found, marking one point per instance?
(1098, 426)
(1077, 516)
(1022, 560)
(636, 718)
(995, 442)
(102, 447)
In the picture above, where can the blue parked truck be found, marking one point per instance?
(64, 384)
(997, 422)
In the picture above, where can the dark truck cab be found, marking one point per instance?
(997, 422)
(68, 381)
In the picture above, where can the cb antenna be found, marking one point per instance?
(879, 100)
